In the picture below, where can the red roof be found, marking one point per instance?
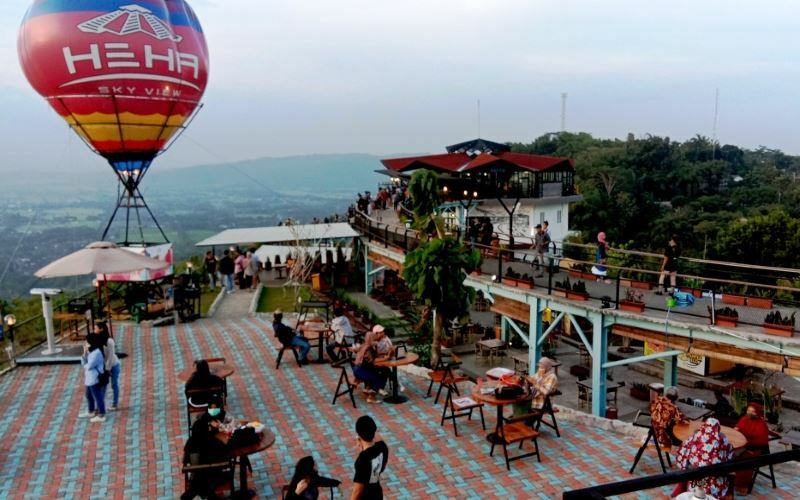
(462, 162)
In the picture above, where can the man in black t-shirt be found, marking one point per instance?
(669, 265)
(226, 268)
(371, 462)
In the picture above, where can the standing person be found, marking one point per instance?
(601, 257)
(255, 268)
(288, 337)
(112, 363)
(226, 269)
(306, 482)
(669, 265)
(238, 268)
(371, 461)
(210, 263)
(93, 366)
(708, 446)
(343, 335)
(244, 274)
(542, 242)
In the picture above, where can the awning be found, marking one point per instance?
(281, 234)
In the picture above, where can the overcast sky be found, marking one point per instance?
(322, 76)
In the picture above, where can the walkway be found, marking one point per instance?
(234, 305)
(46, 451)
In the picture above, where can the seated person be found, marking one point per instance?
(708, 446)
(664, 414)
(343, 335)
(203, 447)
(543, 383)
(306, 481)
(374, 377)
(288, 337)
(753, 426)
(203, 379)
(383, 344)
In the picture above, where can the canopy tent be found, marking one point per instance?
(284, 251)
(280, 234)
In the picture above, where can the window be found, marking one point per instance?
(558, 217)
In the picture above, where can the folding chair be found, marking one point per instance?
(227, 467)
(758, 472)
(195, 407)
(651, 435)
(446, 376)
(517, 430)
(547, 409)
(461, 407)
(280, 355)
(345, 380)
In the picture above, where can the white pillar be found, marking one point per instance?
(47, 313)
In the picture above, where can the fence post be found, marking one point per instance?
(550, 278)
(405, 240)
(386, 237)
(616, 304)
(499, 265)
(713, 304)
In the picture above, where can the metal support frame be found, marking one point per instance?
(513, 324)
(367, 273)
(551, 328)
(639, 359)
(671, 371)
(536, 337)
(504, 328)
(581, 334)
(599, 359)
(377, 270)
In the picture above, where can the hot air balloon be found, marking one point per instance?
(127, 76)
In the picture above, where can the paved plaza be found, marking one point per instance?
(47, 451)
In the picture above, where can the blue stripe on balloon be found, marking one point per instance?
(130, 165)
(176, 12)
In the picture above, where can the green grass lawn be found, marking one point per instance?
(280, 298)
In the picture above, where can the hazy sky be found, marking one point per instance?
(322, 76)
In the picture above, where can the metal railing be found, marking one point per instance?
(670, 478)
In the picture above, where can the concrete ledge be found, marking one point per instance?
(254, 301)
(214, 305)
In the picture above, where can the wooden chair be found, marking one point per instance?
(651, 436)
(220, 361)
(758, 472)
(280, 355)
(227, 467)
(517, 430)
(350, 384)
(547, 409)
(445, 374)
(285, 491)
(193, 408)
(461, 407)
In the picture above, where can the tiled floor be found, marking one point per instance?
(46, 451)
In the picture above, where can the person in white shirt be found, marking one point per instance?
(343, 335)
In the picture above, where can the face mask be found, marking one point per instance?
(214, 411)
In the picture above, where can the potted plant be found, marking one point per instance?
(640, 391)
(578, 291)
(511, 276)
(695, 286)
(726, 316)
(633, 301)
(640, 281)
(777, 324)
(562, 287)
(762, 298)
(731, 296)
(577, 270)
(525, 281)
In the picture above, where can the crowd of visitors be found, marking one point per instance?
(236, 267)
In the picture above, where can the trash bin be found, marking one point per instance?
(611, 412)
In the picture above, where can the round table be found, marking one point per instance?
(221, 370)
(313, 330)
(409, 359)
(499, 403)
(242, 453)
(685, 431)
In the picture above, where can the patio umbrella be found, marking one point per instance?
(100, 257)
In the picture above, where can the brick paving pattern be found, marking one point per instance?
(47, 451)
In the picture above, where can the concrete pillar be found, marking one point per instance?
(670, 371)
(535, 331)
(367, 275)
(504, 329)
(599, 358)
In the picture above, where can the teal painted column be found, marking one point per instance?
(535, 330)
(671, 371)
(367, 276)
(503, 329)
(599, 358)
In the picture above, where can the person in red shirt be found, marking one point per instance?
(755, 429)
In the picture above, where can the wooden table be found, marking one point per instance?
(499, 403)
(492, 345)
(684, 431)
(693, 412)
(409, 359)
(791, 438)
(585, 389)
(221, 370)
(313, 330)
(242, 453)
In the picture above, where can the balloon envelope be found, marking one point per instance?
(126, 75)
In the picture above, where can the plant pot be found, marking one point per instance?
(559, 292)
(735, 300)
(588, 276)
(640, 394)
(730, 321)
(577, 295)
(779, 330)
(575, 274)
(760, 302)
(697, 292)
(625, 282)
(510, 281)
(475, 273)
(525, 284)
(631, 306)
(642, 285)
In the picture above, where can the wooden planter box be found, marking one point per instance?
(525, 284)
(730, 321)
(559, 292)
(577, 295)
(510, 281)
(589, 276)
(779, 330)
(575, 273)
(760, 302)
(475, 273)
(631, 306)
(697, 292)
(625, 282)
(640, 394)
(735, 300)
(642, 285)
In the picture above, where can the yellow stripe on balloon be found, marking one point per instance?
(125, 118)
(100, 127)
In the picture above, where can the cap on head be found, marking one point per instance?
(366, 428)
(377, 329)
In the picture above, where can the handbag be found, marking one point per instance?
(103, 377)
(511, 386)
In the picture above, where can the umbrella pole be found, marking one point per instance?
(108, 306)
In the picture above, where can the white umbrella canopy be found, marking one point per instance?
(100, 257)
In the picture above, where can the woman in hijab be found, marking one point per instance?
(203, 447)
(708, 446)
(203, 380)
(374, 379)
(755, 429)
(306, 481)
(544, 382)
(601, 255)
